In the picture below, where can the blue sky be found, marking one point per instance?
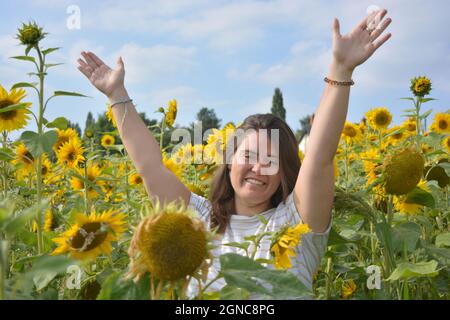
(230, 55)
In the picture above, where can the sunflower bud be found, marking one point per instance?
(89, 133)
(30, 34)
(420, 86)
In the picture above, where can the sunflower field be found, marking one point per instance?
(76, 221)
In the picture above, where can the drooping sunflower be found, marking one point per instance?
(441, 123)
(13, 119)
(171, 114)
(402, 171)
(170, 243)
(64, 136)
(70, 153)
(284, 243)
(379, 118)
(420, 86)
(91, 235)
(351, 133)
(93, 172)
(107, 141)
(110, 116)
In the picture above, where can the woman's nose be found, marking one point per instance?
(257, 168)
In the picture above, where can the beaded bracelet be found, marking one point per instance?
(339, 83)
(119, 102)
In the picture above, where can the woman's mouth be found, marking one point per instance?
(254, 182)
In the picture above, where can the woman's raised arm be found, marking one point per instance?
(140, 144)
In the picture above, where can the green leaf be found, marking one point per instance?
(232, 293)
(24, 58)
(14, 107)
(422, 197)
(115, 287)
(60, 123)
(443, 239)
(50, 65)
(6, 154)
(15, 224)
(408, 270)
(407, 98)
(24, 85)
(38, 144)
(28, 49)
(335, 238)
(423, 100)
(426, 114)
(66, 93)
(406, 234)
(409, 110)
(50, 50)
(241, 245)
(445, 166)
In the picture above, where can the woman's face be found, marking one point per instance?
(254, 173)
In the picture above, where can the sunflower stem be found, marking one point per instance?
(40, 240)
(86, 191)
(4, 174)
(328, 279)
(4, 252)
(161, 137)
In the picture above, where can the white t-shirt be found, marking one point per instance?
(308, 254)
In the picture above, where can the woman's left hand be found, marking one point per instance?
(353, 49)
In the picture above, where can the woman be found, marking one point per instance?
(241, 190)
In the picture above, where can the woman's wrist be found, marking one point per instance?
(340, 72)
(119, 94)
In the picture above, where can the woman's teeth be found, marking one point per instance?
(254, 181)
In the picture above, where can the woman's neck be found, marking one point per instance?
(246, 209)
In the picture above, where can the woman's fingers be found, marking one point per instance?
(379, 30)
(369, 19)
(96, 59)
(89, 60)
(85, 71)
(379, 42)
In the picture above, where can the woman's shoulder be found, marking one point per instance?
(201, 205)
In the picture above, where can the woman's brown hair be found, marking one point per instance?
(222, 192)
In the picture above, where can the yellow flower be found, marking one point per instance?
(284, 247)
(107, 141)
(351, 133)
(196, 188)
(63, 137)
(426, 148)
(348, 288)
(420, 86)
(446, 143)
(169, 243)
(170, 164)
(441, 123)
(91, 235)
(110, 116)
(404, 205)
(410, 125)
(401, 133)
(71, 153)
(171, 114)
(25, 159)
(46, 167)
(301, 155)
(135, 179)
(48, 222)
(13, 119)
(379, 118)
(93, 172)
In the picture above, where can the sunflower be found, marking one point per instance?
(91, 235)
(351, 133)
(171, 114)
(410, 125)
(13, 119)
(63, 137)
(170, 243)
(93, 172)
(46, 167)
(135, 179)
(379, 118)
(348, 288)
(405, 205)
(420, 86)
(170, 164)
(110, 116)
(402, 171)
(71, 153)
(397, 134)
(446, 144)
(196, 188)
(30, 34)
(441, 123)
(48, 222)
(24, 159)
(437, 173)
(107, 141)
(284, 244)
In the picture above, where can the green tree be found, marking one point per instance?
(277, 105)
(208, 119)
(305, 127)
(75, 126)
(90, 122)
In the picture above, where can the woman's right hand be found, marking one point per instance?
(107, 80)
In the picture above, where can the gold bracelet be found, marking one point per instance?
(339, 83)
